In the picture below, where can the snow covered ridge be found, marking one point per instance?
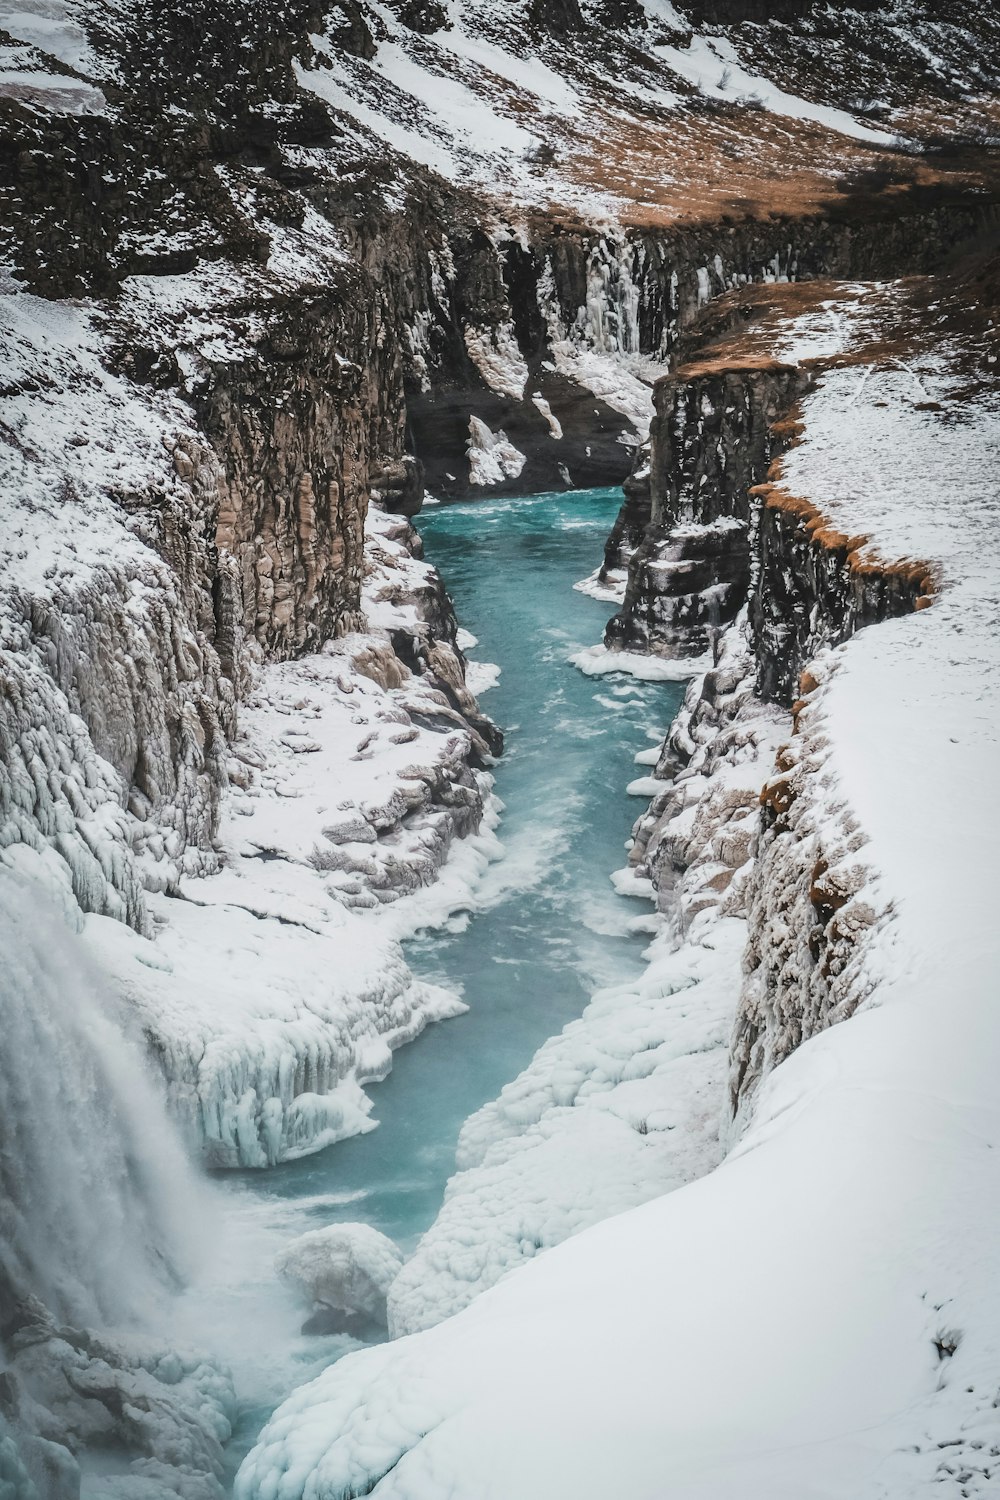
(116, 707)
(847, 1239)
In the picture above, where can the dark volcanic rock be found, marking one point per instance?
(711, 442)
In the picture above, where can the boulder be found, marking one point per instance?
(347, 1267)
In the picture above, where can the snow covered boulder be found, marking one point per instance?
(346, 1268)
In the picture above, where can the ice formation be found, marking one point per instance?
(349, 1267)
(492, 458)
(100, 1214)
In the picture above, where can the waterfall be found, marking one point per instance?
(98, 1204)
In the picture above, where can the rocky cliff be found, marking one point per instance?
(724, 421)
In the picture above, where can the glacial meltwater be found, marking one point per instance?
(545, 927)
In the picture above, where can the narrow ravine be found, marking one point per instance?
(544, 930)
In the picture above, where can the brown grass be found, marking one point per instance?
(858, 552)
(741, 364)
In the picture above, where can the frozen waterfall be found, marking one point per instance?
(98, 1206)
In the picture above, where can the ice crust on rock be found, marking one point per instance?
(498, 358)
(492, 458)
(349, 1267)
(113, 728)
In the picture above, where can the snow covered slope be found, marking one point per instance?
(630, 116)
(818, 1316)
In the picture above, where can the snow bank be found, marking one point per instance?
(609, 590)
(621, 1106)
(277, 988)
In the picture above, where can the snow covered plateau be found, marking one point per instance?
(272, 279)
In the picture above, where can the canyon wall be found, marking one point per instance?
(728, 532)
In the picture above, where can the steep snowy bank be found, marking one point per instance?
(277, 987)
(819, 1313)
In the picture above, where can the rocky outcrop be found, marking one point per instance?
(302, 429)
(729, 12)
(571, 324)
(816, 587)
(813, 907)
(712, 442)
(723, 530)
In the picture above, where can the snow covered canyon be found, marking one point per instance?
(693, 311)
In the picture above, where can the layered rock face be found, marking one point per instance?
(711, 443)
(813, 910)
(566, 329)
(695, 532)
(707, 524)
(816, 587)
(303, 429)
(812, 901)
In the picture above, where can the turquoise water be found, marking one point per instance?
(554, 929)
(547, 928)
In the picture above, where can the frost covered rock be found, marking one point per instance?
(347, 1267)
(492, 458)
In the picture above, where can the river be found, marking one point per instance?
(544, 930)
